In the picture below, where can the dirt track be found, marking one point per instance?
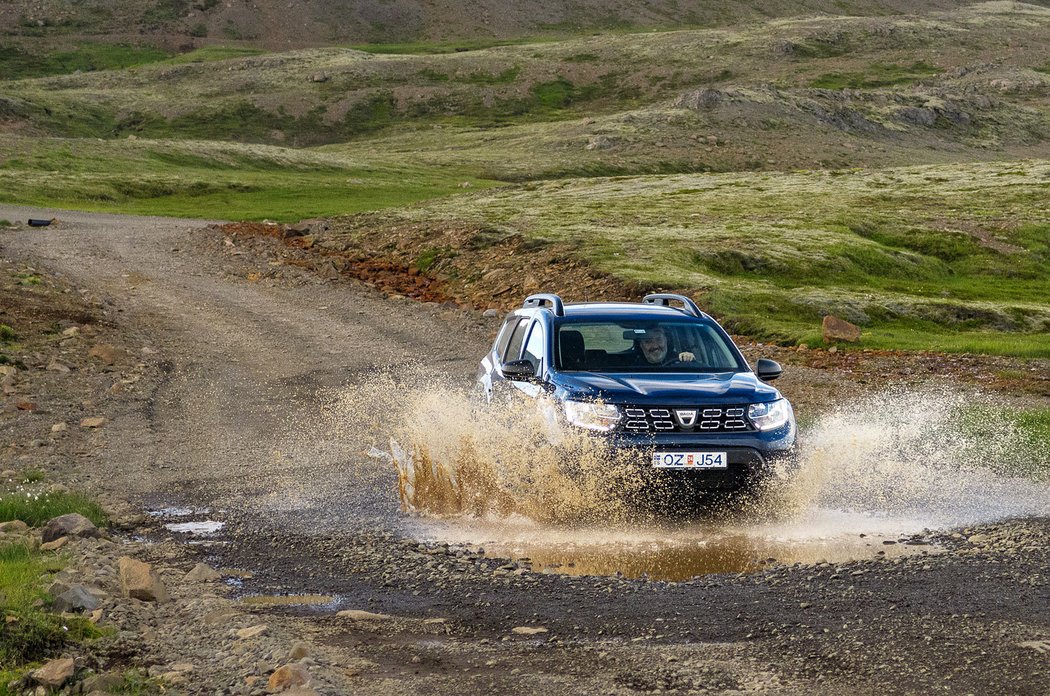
(228, 419)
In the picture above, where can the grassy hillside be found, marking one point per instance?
(948, 257)
(321, 22)
(210, 179)
(866, 79)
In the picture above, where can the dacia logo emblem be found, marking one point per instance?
(686, 417)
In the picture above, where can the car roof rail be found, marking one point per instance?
(546, 298)
(665, 299)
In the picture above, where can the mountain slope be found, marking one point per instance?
(285, 24)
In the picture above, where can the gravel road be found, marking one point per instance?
(237, 369)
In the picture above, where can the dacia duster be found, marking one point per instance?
(660, 376)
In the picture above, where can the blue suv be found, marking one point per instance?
(659, 376)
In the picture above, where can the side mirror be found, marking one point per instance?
(768, 370)
(519, 371)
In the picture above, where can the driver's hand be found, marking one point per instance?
(686, 356)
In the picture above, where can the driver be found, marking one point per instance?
(655, 349)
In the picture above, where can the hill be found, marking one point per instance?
(278, 24)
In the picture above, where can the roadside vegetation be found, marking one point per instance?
(953, 258)
(30, 633)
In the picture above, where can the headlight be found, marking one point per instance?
(592, 415)
(770, 415)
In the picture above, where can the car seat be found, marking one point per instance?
(573, 355)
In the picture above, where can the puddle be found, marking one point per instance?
(202, 528)
(169, 512)
(682, 552)
(288, 600)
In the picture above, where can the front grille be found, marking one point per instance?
(686, 419)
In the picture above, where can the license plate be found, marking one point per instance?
(690, 460)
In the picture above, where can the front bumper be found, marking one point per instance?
(751, 456)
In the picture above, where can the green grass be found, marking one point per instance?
(86, 57)
(34, 634)
(35, 509)
(33, 476)
(210, 54)
(214, 180)
(7, 334)
(5, 223)
(878, 75)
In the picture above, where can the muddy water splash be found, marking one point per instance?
(459, 456)
(937, 458)
(507, 477)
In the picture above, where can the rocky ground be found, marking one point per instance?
(161, 365)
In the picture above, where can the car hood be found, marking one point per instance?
(668, 389)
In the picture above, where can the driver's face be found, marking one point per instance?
(654, 346)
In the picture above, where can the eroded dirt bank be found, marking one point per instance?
(225, 362)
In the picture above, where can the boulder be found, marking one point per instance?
(202, 573)
(836, 330)
(54, 674)
(289, 677)
(92, 422)
(138, 580)
(77, 598)
(71, 525)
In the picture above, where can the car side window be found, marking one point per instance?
(503, 339)
(534, 348)
(516, 339)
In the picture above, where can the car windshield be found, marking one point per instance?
(644, 346)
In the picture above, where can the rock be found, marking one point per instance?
(700, 100)
(105, 682)
(979, 539)
(202, 573)
(55, 545)
(54, 674)
(59, 428)
(92, 422)
(253, 631)
(106, 353)
(490, 313)
(319, 77)
(13, 527)
(361, 615)
(71, 525)
(76, 598)
(70, 332)
(836, 329)
(288, 677)
(57, 365)
(528, 630)
(138, 580)
(299, 651)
